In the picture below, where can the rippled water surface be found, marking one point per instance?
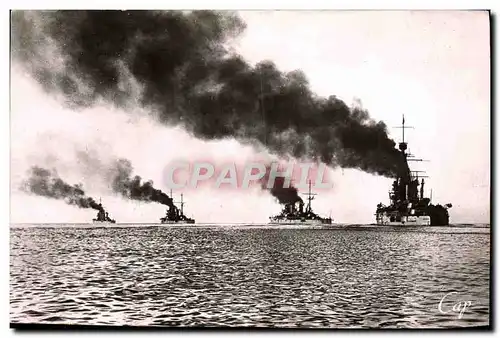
(249, 276)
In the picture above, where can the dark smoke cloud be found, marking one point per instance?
(43, 182)
(190, 77)
(132, 188)
(284, 195)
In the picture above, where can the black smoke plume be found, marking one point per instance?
(189, 76)
(43, 182)
(132, 188)
(284, 195)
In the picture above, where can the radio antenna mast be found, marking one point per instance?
(402, 145)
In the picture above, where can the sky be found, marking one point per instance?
(433, 67)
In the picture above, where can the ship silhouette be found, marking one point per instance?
(102, 216)
(176, 216)
(408, 206)
(293, 213)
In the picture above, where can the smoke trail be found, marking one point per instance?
(284, 195)
(42, 182)
(188, 75)
(132, 188)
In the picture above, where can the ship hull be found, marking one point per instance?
(403, 221)
(103, 223)
(177, 222)
(300, 222)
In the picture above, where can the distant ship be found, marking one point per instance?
(176, 216)
(103, 217)
(408, 206)
(294, 214)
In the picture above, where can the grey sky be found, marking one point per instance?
(431, 66)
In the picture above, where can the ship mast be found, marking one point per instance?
(309, 197)
(403, 145)
(182, 205)
(408, 184)
(173, 202)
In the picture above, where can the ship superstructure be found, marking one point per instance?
(294, 213)
(102, 216)
(175, 215)
(408, 206)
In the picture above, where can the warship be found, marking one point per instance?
(176, 216)
(408, 206)
(294, 214)
(103, 216)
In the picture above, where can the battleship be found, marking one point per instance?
(103, 217)
(408, 206)
(293, 213)
(176, 216)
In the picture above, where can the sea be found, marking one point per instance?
(342, 276)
